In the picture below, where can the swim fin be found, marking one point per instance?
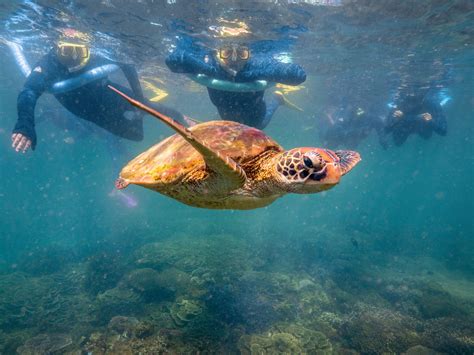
(159, 94)
(284, 101)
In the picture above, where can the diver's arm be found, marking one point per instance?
(189, 62)
(378, 124)
(440, 124)
(272, 70)
(132, 76)
(34, 87)
(389, 122)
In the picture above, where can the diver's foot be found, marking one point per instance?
(282, 100)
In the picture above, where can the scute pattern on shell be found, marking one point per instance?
(173, 158)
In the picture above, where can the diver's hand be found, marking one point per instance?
(426, 116)
(398, 114)
(20, 142)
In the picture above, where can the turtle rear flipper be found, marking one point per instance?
(233, 174)
(121, 183)
(348, 159)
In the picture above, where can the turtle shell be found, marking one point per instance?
(173, 158)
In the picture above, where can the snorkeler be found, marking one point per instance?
(416, 113)
(347, 125)
(236, 79)
(79, 82)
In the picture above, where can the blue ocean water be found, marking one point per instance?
(382, 263)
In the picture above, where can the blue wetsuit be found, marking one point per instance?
(248, 108)
(93, 102)
(413, 106)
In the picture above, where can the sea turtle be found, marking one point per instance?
(228, 165)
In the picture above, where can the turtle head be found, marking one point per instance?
(310, 170)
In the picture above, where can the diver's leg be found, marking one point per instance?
(225, 114)
(440, 124)
(271, 105)
(118, 116)
(244, 107)
(381, 133)
(383, 138)
(124, 124)
(255, 115)
(400, 136)
(394, 118)
(128, 125)
(426, 131)
(433, 106)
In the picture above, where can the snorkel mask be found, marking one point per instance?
(72, 49)
(233, 57)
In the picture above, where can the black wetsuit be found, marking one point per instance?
(248, 108)
(413, 107)
(93, 102)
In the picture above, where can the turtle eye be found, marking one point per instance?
(308, 162)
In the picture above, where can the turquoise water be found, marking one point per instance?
(382, 263)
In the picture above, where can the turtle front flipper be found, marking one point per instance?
(233, 174)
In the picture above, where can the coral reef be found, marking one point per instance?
(46, 344)
(435, 302)
(217, 294)
(212, 259)
(122, 325)
(103, 271)
(450, 335)
(375, 330)
(119, 300)
(423, 299)
(44, 260)
(46, 302)
(129, 342)
(148, 283)
(420, 350)
(286, 339)
(184, 311)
